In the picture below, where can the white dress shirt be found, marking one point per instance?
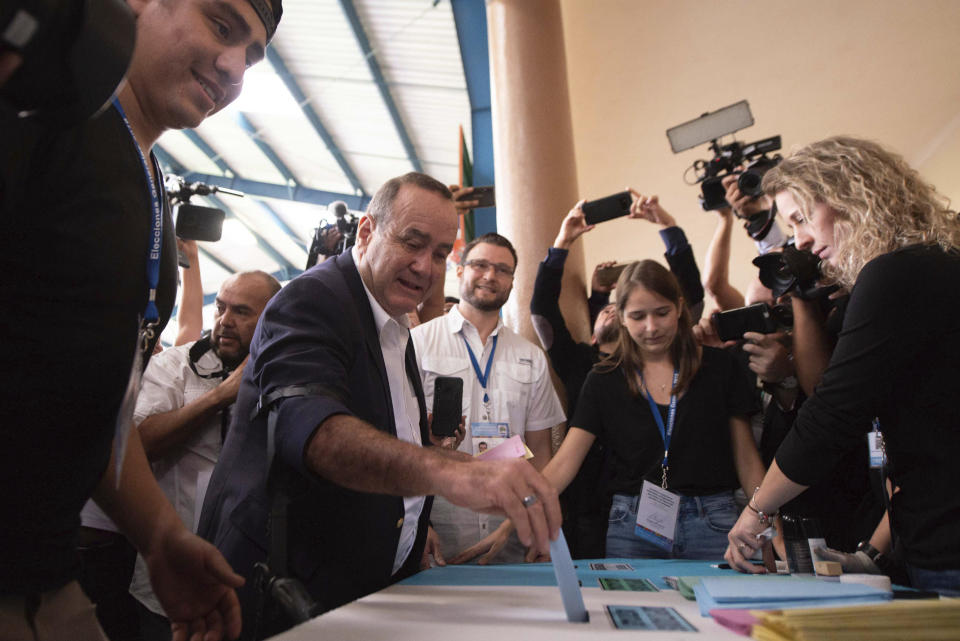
(394, 333)
(520, 392)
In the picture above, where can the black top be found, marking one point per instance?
(701, 458)
(897, 358)
(73, 252)
(844, 502)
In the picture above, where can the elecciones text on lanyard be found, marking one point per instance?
(665, 432)
(484, 376)
(151, 314)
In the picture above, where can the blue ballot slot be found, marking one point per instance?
(567, 579)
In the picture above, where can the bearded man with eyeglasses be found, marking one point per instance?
(507, 391)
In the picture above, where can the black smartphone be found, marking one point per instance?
(732, 324)
(199, 223)
(447, 405)
(608, 275)
(607, 208)
(484, 194)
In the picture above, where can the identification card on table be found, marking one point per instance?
(486, 436)
(657, 515)
(637, 617)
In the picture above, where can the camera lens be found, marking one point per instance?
(749, 183)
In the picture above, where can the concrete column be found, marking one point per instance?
(536, 174)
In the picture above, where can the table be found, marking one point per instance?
(503, 602)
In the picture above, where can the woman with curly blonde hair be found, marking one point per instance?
(882, 231)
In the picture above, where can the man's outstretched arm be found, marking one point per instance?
(192, 580)
(352, 453)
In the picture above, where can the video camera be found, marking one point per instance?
(333, 238)
(728, 160)
(195, 222)
(74, 55)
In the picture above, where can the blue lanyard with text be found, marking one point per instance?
(665, 432)
(151, 314)
(482, 377)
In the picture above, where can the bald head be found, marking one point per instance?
(239, 303)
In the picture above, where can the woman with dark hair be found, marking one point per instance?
(673, 416)
(883, 232)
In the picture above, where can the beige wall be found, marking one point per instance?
(881, 69)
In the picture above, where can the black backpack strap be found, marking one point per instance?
(278, 593)
(277, 554)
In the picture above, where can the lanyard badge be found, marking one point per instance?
(150, 319)
(665, 432)
(657, 508)
(484, 376)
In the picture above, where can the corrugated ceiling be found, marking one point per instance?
(269, 136)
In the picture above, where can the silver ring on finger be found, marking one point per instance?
(529, 500)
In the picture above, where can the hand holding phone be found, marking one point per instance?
(607, 276)
(447, 404)
(607, 208)
(483, 196)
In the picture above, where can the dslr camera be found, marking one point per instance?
(762, 318)
(792, 271)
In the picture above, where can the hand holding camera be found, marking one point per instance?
(744, 205)
(769, 356)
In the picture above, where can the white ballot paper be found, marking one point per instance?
(567, 580)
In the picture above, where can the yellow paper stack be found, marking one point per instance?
(934, 620)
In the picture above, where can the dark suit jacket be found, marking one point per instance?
(318, 330)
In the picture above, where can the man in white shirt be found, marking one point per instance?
(183, 412)
(507, 389)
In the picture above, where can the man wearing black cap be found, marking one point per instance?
(88, 264)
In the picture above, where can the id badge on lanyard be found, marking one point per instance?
(483, 377)
(878, 454)
(150, 319)
(658, 508)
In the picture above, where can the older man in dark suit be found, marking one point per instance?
(332, 360)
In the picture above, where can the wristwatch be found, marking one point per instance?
(875, 555)
(790, 382)
(869, 550)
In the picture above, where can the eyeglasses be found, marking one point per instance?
(483, 265)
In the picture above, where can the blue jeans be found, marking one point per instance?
(946, 582)
(702, 526)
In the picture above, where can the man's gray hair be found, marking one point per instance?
(381, 206)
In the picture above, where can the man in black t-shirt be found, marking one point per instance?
(83, 211)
